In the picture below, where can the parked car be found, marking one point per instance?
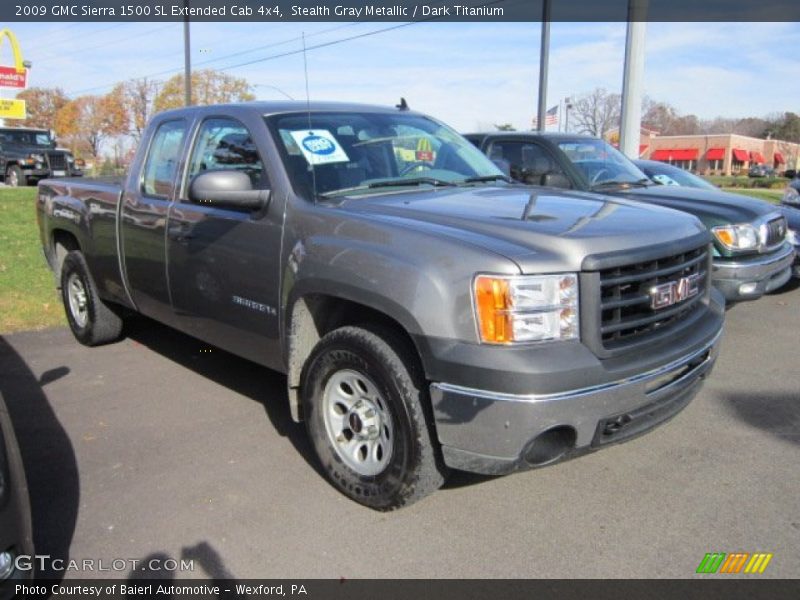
(28, 155)
(670, 175)
(791, 196)
(16, 537)
(751, 254)
(665, 174)
(761, 171)
(428, 314)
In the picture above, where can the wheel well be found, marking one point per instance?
(63, 242)
(314, 316)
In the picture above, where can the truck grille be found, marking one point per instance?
(630, 305)
(774, 232)
(57, 161)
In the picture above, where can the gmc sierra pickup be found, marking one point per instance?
(752, 256)
(428, 314)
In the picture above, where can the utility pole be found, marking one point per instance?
(544, 58)
(632, 79)
(187, 59)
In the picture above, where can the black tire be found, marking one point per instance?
(96, 324)
(15, 177)
(414, 468)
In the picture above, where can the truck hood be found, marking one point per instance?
(711, 207)
(541, 229)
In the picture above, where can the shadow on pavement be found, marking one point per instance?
(776, 413)
(258, 383)
(47, 453)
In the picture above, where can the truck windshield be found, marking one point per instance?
(343, 153)
(602, 164)
(26, 138)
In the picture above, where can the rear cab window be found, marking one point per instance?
(163, 159)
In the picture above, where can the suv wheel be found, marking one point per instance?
(92, 322)
(367, 414)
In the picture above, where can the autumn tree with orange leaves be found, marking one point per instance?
(208, 87)
(86, 122)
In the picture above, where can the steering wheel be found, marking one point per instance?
(596, 176)
(416, 165)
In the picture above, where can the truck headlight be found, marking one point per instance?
(39, 158)
(743, 236)
(791, 196)
(526, 308)
(793, 237)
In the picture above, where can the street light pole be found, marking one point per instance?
(632, 80)
(544, 58)
(187, 59)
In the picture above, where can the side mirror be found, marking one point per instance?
(227, 189)
(790, 173)
(557, 180)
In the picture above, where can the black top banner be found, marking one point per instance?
(400, 10)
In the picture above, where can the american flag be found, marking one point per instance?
(550, 117)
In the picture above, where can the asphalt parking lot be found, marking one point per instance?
(159, 446)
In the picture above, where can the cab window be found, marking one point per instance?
(226, 145)
(526, 162)
(163, 158)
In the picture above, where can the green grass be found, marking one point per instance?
(773, 196)
(28, 298)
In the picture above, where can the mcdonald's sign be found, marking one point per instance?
(735, 562)
(16, 75)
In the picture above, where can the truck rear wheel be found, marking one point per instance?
(366, 412)
(15, 177)
(91, 321)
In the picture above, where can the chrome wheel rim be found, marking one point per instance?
(76, 294)
(13, 180)
(358, 422)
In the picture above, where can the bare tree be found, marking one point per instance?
(596, 112)
(138, 96)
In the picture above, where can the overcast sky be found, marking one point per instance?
(468, 75)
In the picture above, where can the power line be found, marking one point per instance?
(72, 38)
(219, 58)
(115, 41)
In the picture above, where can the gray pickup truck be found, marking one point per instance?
(427, 313)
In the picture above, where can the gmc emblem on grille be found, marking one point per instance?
(673, 292)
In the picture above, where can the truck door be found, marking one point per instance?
(223, 264)
(145, 206)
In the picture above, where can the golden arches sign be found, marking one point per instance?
(19, 63)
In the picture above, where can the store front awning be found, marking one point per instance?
(757, 157)
(740, 155)
(779, 160)
(715, 154)
(675, 154)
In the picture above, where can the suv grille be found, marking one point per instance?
(775, 232)
(626, 302)
(57, 161)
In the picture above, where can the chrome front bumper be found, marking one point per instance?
(491, 433)
(766, 273)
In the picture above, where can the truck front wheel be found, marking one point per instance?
(365, 407)
(15, 177)
(91, 321)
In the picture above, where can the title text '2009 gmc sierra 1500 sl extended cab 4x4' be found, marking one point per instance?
(427, 313)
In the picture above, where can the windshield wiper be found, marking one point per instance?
(487, 178)
(389, 183)
(412, 181)
(611, 183)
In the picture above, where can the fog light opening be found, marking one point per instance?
(550, 446)
(747, 288)
(6, 565)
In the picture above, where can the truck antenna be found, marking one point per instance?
(308, 111)
(403, 104)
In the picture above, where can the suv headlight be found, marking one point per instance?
(526, 308)
(791, 196)
(743, 236)
(37, 157)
